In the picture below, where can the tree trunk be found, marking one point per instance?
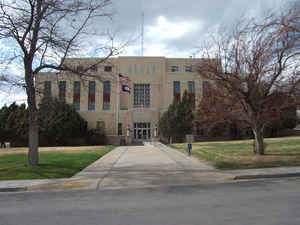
(258, 147)
(33, 134)
(33, 144)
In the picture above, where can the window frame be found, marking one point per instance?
(91, 95)
(106, 95)
(142, 95)
(174, 69)
(94, 68)
(188, 69)
(76, 91)
(62, 86)
(47, 89)
(107, 68)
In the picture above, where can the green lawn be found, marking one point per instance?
(239, 154)
(53, 162)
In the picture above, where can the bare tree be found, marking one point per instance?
(41, 34)
(256, 75)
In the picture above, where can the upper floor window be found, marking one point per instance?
(188, 68)
(191, 93)
(135, 68)
(175, 69)
(107, 68)
(106, 95)
(191, 87)
(142, 68)
(91, 96)
(141, 94)
(153, 68)
(94, 68)
(176, 90)
(62, 90)
(201, 69)
(204, 87)
(80, 69)
(47, 89)
(76, 95)
(148, 68)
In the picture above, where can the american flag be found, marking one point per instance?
(123, 79)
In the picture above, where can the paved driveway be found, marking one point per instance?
(147, 166)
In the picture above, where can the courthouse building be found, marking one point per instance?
(127, 106)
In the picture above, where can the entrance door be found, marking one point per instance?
(142, 131)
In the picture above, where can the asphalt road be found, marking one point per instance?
(250, 202)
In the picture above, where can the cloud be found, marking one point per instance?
(13, 95)
(178, 26)
(164, 29)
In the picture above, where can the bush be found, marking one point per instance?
(60, 124)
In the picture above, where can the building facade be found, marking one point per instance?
(154, 82)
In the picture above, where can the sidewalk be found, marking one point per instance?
(151, 165)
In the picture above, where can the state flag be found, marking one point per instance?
(125, 88)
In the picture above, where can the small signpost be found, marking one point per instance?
(189, 139)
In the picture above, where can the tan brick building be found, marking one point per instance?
(154, 83)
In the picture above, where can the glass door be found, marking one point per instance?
(142, 131)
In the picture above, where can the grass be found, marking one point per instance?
(239, 154)
(56, 162)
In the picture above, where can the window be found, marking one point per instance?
(175, 69)
(80, 69)
(76, 95)
(62, 90)
(176, 91)
(153, 68)
(129, 69)
(204, 87)
(188, 68)
(201, 69)
(148, 68)
(106, 95)
(142, 68)
(191, 87)
(135, 68)
(119, 128)
(94, 68)
(47, 89)
(191, 93)
(91, 97)
(141, 94)
(107, 69)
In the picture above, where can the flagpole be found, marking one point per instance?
(117, 103)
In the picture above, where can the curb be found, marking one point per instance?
(258, 176)
(13, 189)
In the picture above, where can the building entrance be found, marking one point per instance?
(142, 131)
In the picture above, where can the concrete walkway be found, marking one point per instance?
(147, 166)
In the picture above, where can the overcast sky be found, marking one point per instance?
(171, 28)
(175, 28)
